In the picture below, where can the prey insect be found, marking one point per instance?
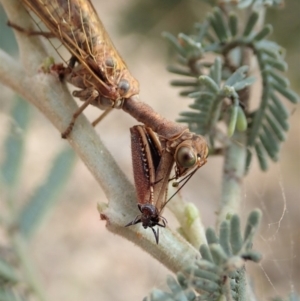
(101, 74)
(152, 168)
(95, 66)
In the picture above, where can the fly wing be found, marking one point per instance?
(76, 24)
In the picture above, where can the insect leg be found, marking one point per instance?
(164, 222)
(156, 234)
(29, 32)
(102, 116)
(135, 221)
(93, 95)
(72, 61)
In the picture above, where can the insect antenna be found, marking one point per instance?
(184, 180)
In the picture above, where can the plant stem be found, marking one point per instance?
(233, 173)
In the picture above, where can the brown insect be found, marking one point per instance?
(152, 167)
(100, 73)
(97, 69)
(146, 157)
(95, 66)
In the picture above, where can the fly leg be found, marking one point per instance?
(101, 117)
(48, 35)
(88, 95)
(107, 105)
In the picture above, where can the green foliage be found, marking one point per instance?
(221, 270)
(14, 144)
(7, 273)
(9, 295)
(210, 99)
(19, 219)
(221, 89)
(142, 17)
(46, 196)
(246, 3)
(8, 279)
(7, 41)
(292, 297)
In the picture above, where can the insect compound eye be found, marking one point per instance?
(123, 86)
(186, 157)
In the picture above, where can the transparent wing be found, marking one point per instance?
(76, 24)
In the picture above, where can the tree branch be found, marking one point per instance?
(53, 99)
